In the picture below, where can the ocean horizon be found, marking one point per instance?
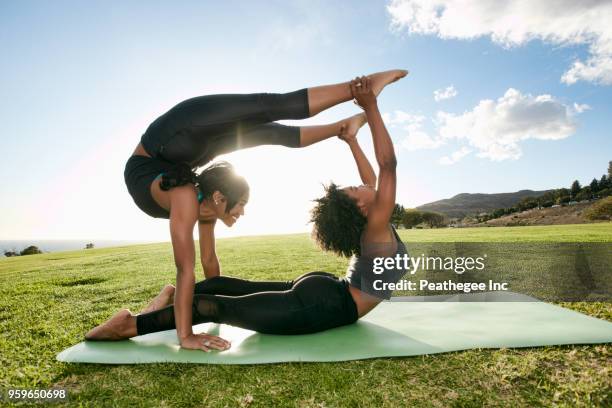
(50, 245)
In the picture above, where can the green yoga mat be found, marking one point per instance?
(408, 327)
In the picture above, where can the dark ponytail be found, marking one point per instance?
(219, 176)
(222, 177)
(179, 175)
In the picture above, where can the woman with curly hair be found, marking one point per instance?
(315, 301)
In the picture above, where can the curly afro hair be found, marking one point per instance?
(338, 223)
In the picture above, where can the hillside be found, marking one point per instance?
(470, 204)
(571, 214)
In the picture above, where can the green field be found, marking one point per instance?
(47, 303)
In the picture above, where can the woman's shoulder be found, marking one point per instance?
(383, 235)
(379, 243)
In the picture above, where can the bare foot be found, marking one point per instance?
(165, 298)
(384, 78)
(121, 326)
(354, 123)
(350, 126)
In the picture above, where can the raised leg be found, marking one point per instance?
(207, 126)
(313, 134)
(324, 97)
(276, 134)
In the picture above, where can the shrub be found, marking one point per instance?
(31, 250)
(433, 219)
(411, 218)
(601, 210)
(605, 192)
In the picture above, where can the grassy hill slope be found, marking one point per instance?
(570, 214)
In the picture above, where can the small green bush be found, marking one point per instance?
(31, 250)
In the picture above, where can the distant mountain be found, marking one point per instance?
(470, 204)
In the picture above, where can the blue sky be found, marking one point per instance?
(81, 82)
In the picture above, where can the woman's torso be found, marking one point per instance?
(140, 174)
(360, 272)
(162, 198)
(143, 178)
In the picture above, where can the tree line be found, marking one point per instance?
(596, 189)
(33, 250)
(410, 218)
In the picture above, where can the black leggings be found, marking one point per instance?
(313, 302)
(197, 130)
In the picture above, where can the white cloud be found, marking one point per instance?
(581, 107)
(402, 118)
(496, 128)
(493, 129)
(416, 138)
(446, 93)
(516, 22)
(455, 156)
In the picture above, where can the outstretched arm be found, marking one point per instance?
(366, 172)
(183, 216)
(384, 202)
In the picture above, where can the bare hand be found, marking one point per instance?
(205, 342)
(345, 135)
(361, 88)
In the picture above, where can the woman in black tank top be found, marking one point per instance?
(355, 221)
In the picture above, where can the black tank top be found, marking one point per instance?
(367, 273)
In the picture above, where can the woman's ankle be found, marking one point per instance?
(128, 328)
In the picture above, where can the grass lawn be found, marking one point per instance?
(47, 303)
